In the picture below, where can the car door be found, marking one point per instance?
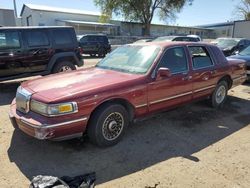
(11, 53)
(204, 71)
(85, 44)
(93, 43)
(38, 51)
(176, 89)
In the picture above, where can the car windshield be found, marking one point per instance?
(222, 43)
(167, 38)
(130, 59)
(79, 37)
(245, 51)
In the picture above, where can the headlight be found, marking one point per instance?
(53, 109)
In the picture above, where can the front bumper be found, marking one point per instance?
(43, 129)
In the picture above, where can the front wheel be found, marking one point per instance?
(64, 66)
(108, 124)
(220, 94)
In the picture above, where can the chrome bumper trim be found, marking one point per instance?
(141, 105)
(240, 77)
(47, 126)
(169, 98)
(205, 88)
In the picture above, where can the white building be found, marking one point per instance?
(83, 21)
(7, 17)
(241, 29)
(220, 29)
(88, 22)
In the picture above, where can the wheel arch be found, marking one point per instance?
(66, 56)
(125, 103)
(228, 79)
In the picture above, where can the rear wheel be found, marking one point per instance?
(101, 52)
(64, 66)
(219, 95)
(108, 125)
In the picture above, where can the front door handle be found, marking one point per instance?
(213, 72)
(188, 77)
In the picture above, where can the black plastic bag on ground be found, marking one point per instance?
(82, 181)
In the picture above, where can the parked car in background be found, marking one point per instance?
(28, 51)
(230, 46)
(195, 36)
(143, 40)
(215, 42)
(244, 55)
(131, 82)
(94, 44)
(176, 38)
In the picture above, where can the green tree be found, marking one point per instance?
(141, 10)
(243, 8)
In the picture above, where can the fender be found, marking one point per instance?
(63, 54)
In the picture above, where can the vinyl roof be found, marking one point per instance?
(56, 9)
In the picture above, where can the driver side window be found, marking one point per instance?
(175, 60)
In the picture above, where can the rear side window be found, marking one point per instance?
(92, 38)
(187, 39)
(9, 39)
(192, 39)
(62, 37)
(37, 38)
(178, 39)
(101, 39)
(200, 57)
(84, 39)
(175, 60)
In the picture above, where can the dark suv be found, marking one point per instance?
(94, 44)
(28, 51)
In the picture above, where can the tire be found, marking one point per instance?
(63, 66)
(107, 125)
(101, 52)
(219, 95)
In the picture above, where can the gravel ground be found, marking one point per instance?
(191, 146)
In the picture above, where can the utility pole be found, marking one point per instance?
(15, 11)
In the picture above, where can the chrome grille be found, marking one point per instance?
(22, 100)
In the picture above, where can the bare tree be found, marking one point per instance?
(243, 9)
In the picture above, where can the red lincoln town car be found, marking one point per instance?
(131, 82)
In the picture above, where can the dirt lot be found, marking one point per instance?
(192, 146)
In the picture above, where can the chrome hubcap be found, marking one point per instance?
(220, 94)
(65, 69)
(113, 126)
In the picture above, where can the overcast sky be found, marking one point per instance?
(200, 13)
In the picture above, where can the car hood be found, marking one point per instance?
(77, 83)
(242, 57)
